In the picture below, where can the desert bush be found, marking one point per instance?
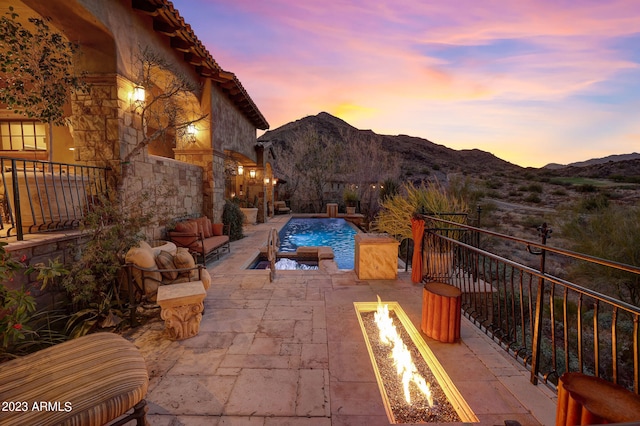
(532, 198)
(111, 229)
(493, 184)
(586, 187)
(607, 231)
(535, 187)
(396, 212)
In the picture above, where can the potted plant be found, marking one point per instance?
(351, 199)
(249, 210)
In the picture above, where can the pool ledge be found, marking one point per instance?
(323, 255)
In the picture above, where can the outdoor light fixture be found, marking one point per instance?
(190, 133)
(274, 181)
(266, 181)
(138, 97)
(252, 173)
(240, 170)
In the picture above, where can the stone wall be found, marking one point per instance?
(173, 189)
(232, 131)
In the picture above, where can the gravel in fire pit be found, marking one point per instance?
(419, 411)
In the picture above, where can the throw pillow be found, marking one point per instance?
(183, 259)
(205, 277)
(206, 227)
(188, 226)
(164, 260)
(217, 229)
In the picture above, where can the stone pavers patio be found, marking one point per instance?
(290, 352)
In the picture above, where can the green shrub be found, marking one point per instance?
(111, 231)
(233, 217)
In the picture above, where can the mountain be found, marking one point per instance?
(593, 161)
(420, 157)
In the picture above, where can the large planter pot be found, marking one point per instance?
(351, 210)
(250, 215)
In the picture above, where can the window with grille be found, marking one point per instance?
(22, 136)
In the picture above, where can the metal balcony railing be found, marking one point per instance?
(550, 324)
(40, 196)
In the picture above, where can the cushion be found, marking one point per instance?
(164, 260)
(205, 277)
(189, 226)
(100, 376)
(211, 244)
(141, 255)
(183, 239)
(145, 245)
(206, 227)
(217, 229)
(183, 259)
(161, 245)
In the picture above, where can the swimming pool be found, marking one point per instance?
(335, 233)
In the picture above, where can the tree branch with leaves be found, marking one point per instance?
(166, 108)
(37, 70)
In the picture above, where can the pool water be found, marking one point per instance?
(335, 233)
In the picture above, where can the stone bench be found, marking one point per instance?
(91, 380)
(181, 308)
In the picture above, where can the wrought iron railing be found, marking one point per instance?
(550, 324)
(40, 196)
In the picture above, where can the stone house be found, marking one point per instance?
(190, 172)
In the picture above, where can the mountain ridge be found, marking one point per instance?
(422, 158)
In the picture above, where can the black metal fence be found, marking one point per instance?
(550, 324)
(40, 196)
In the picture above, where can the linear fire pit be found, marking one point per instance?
(401, 387)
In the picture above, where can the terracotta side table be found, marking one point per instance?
(441, 312)
(589, 400)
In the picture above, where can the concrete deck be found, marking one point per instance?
(291, 352)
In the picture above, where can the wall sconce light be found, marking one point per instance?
(266, 181)
(138, 97)
(240, 170)
(252, 173)
(274, 181)
(190, 133)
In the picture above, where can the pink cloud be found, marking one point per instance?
(410, 66)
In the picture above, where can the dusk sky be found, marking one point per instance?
(532, 82)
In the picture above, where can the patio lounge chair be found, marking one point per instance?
(91, 380)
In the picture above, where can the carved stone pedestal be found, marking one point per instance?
(181, 308)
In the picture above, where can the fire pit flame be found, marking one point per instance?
(401, 355)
